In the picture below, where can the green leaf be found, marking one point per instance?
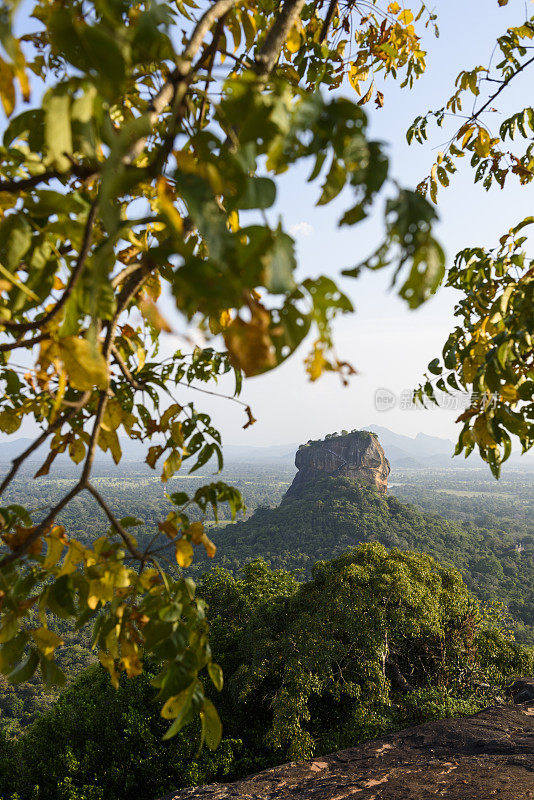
(258, 193)
(11, 652)
(57, 129)
(83, 128)
(15, 241)
(177, 708)
(334, 183)
(26, 670)
(211, 725)
(281, 264)
(216, 675)
(52, 674)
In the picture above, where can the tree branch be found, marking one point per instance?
(181, 76)
(60, 421)
(328, 20)
(137, 385)
(42, 527)
(123, 533)
(22, 184)
(501, 88)
(4, 348)
(73, 280)
(278, 33)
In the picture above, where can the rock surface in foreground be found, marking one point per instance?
(357, 455)
(476, 758)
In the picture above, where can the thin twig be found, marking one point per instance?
(4, 348)
(327, 21)
(73, 280)
(60, 421)
(138, 385)
(22, 184)
(501, 88)
(123, 533)
(43, 526)
(181, 76)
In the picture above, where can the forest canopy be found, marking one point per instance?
(375, 641)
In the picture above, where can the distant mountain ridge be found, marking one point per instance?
(419, 452)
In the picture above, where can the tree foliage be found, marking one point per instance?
(374, 642)
(490, 352)
(143, 170)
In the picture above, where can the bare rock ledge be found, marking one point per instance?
(489, 755)
(357, 455)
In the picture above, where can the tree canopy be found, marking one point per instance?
(374, 642)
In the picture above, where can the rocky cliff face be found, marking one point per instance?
(357, 455)
(476, 758)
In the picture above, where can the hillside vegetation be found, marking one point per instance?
(374, 642)
(334, 514)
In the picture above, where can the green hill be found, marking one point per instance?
(333, 514)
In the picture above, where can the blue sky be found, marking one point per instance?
(388, 344)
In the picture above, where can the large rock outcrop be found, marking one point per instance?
(357, 455)
(476, 758)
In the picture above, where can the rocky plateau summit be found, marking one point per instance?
(357, 455)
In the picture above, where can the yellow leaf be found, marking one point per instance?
(141, 358)
(176, 704)
(184, 552)
(249, 28)
(367, 96)
(108, 440)
(19, 537)
(294, 39)
(7, 88)
(108, 663)
(165, 202)
(188, 163)
(481, 433)
(153, 316)
(168, 527)
(112, 415)
(170, 413)
(20, 71)
(9, 421)
(482, 143)
(77, 450)
(509, 393)
(75, 554)
(357, 75)
(130, 658)
(100, 590)
(85, 364)
(249, 343)
(406, 16)
(171, 465)
(233, 221)
(55, 543)
(316, 362)
(209, 547)
(46, 641)
(469, 370)
(196, 532)
(394, 8)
